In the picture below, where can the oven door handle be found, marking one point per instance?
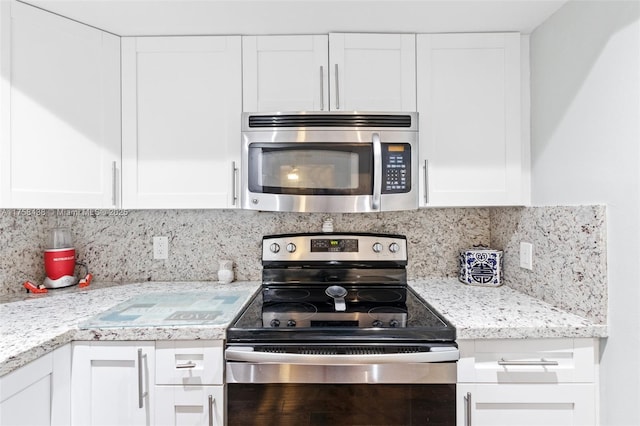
(247, 354)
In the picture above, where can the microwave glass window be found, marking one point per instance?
(290, 169)
(311, 169)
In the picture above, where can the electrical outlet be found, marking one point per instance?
(526, 255)
(160, 248)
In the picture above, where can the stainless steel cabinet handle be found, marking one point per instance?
(426, 181)
(469, 406)
(212, 401)
(541, 362)
(321, 88)
(114, 184)
(141, 394)
(234, 186)
(189, 364)
(377, 171)
(337, 89)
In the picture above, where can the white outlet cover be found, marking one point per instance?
(526, 255)
(160, 248)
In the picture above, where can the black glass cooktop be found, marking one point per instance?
(306, 313)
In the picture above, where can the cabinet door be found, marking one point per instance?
(19, 391)
(285, 73)
(181, 121)
(38, 393)
(189, 405)
(112, 383)
(469, 105)
(63, 146)
(526, 405)
(372, 72)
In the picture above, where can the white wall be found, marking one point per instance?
(585, 142)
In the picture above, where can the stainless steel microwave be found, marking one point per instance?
(348, 162)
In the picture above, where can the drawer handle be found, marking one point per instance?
(541, 362)
(212, 401)
(141, 393)
(189, 364)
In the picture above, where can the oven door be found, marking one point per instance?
(266, 385)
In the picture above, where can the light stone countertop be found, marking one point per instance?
(501, 312)
(40, 323)
(37, 324)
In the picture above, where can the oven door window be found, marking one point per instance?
(311, 169)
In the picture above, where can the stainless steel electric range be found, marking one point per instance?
(336, 336)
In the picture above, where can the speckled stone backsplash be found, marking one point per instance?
(118, 247)
(569, 255)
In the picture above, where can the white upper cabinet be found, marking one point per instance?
(181, 109)
(285, 73)
(61, 144)
(470, 113)
(341, 72)
(372, 72)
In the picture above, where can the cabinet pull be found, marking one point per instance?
(467, 400)
(189, 364)
(114, 184)
(426, 181)
(234, 186)
(541, 362)
(337, 89)
(212, 401)
(321, 88)
(141, 394)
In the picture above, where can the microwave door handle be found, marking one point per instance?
(377, 171)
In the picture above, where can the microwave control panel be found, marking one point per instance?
(396, 168)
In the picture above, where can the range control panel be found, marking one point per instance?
(396, 168)
(328, 247)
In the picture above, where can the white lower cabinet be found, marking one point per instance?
(526, 404)
(27, 395)
(112, 383)
(189, 405)
(147, 383)
(189, 383)
(527, 382)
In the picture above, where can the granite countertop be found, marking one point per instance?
(501, 312)
(34, 325)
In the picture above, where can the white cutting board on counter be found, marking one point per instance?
(171, 309)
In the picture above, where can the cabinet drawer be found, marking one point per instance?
(527, 361)
(197, 362)
(189, 405)
(569, 404)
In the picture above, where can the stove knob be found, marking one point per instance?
(274, 247)
(377, 247)
(291, 247)
(394, 323)
(394, 247)
(377, 323)
(275, 322)
(291, 323)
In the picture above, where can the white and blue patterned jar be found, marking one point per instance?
(481, 266)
